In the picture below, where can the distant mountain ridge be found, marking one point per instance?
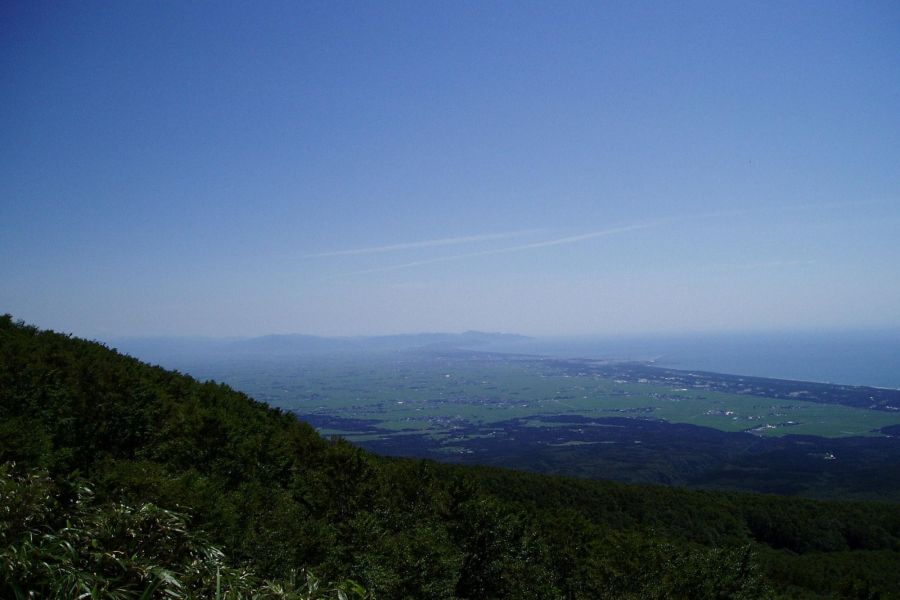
(160, 348)
(290, 343)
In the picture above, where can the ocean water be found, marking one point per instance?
(856, 358)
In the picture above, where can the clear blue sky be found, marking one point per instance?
(192, 168)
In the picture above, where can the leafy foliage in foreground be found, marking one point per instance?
(62, 547)
(180, 469)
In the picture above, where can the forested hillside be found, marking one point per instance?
(123, 480)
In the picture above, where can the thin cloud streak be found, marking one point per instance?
(584, 236)
(554, 242)
(427, 243)
(581, 237)
(511, 234)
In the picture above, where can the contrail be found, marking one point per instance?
(554, 242)
(426, 243)
(736, 212)
(580, 237)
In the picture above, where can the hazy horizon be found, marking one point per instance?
(846, 357)
(541, 336)
(223, 170)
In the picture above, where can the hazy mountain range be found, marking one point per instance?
(158, 348)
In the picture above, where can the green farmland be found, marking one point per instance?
(434, 394)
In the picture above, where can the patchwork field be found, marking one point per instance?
(439, 393)
(625, 421)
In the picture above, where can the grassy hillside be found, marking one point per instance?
(124, 480)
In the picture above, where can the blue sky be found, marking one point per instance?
(353, 168)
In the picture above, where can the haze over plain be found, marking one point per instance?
(341, 169)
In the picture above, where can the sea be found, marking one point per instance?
(870, 358)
